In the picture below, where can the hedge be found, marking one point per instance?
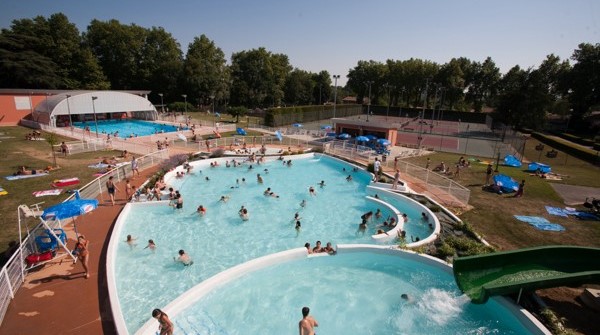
(585, 154)
(276, 117)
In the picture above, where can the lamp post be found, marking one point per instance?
(370, 82)
(69, 110)
(185, 104)
(335, 77)
(162, 105)
(423, 113)
(212, 97)
(389, 88)
(95, 119)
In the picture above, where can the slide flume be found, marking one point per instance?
(507, 272)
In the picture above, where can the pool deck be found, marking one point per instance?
(57, 299)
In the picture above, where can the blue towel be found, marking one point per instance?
(548, 226)
(556, 211)
(532, 219)
(587, 216)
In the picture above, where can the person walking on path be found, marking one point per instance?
(111, 188)
(134, 167)
(81, 249)
(396, 179)
(307, 325)
(377, 169)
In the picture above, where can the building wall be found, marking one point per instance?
(10, 113)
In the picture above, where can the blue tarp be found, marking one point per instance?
(535, 166)
(506, 183)
(241, 131)
(511, 160)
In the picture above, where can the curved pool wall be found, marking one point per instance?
(115, 240)
(411, 203)
(200, 291)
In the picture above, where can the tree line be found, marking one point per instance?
(51, 53)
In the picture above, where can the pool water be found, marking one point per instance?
(350, 293)
(127, 128)
(220, 239)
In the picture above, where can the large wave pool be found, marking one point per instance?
(353, 292)
(220, 239)
(127, 128)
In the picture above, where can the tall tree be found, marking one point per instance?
(299, 88)
(258, 77)
(584, 80)
(322, 87)
(161, 63)
(483, 85)
(204, 70)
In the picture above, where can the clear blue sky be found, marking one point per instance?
(334, 35)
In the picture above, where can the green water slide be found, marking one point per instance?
(529, 269)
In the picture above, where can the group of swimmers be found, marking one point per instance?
(320, 249)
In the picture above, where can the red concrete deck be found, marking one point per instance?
(57, 299)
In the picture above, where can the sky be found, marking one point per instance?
(333, 35)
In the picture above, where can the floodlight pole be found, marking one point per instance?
(335, 77)
(423, 113)
(95, 119)
(370, 82)
(185, 102)
(69, 110)
(162, 105)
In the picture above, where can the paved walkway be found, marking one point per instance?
(57, 299)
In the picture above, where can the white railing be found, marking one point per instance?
(236, 142)
(11, 275)
(430, 178)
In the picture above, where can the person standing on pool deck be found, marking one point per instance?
(307, 325)
(111, 187)
(488, 174)
(377, 168)
(520, 190)
(396, 180)
(81, 248)
(134, 167)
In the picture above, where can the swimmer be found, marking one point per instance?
(308, 248)
(393, 223)
(380, 231)
(183, 258)
(151, 245)
(349, 178)
(131, 241)
(266, 171)
(206, 178)
(405, 297)
(241, 210)
(378, 213)
(329, 249)
(267, 191)
(201, 210)
(322, 183)
(317, 249)
(297, 216)
(298, 225)
(244, 214)
(405, 218)
(303, 203)
(424, 217)
(259, 179)
(311, 191)
(224, 198)
(250, 167)
(362, 228)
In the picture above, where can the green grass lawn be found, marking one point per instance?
(15, 151)
(492, 216)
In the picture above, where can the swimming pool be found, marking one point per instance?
(357, 291)
(127, 128)
(220, 239)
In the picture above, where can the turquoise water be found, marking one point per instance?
(350, 293)
(220, 239)
(126, 128)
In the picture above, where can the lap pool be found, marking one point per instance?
(141, 280)
(127, 128)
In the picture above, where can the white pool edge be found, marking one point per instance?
(198, 292)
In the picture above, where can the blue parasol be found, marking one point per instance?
(279, 136)
(371, 137)
(344, 136)
(383, 141)
(325, 126)
(362, 139)
(69, 209)
(330, 134)
(297, 125)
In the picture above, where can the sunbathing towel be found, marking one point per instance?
(548, 226)
(556, 211)
(104, 166)
(531, 219)
(65, 182)
(587, 216)
(3, 191)
(25, 176)
(47, 192)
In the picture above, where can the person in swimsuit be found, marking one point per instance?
(128, 190)
(81, 249)
(183, 258)
(111, 187)
(307, 325)
(151, 245)
(134, 167)
(165, 325)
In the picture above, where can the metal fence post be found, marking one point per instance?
(10, 288)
